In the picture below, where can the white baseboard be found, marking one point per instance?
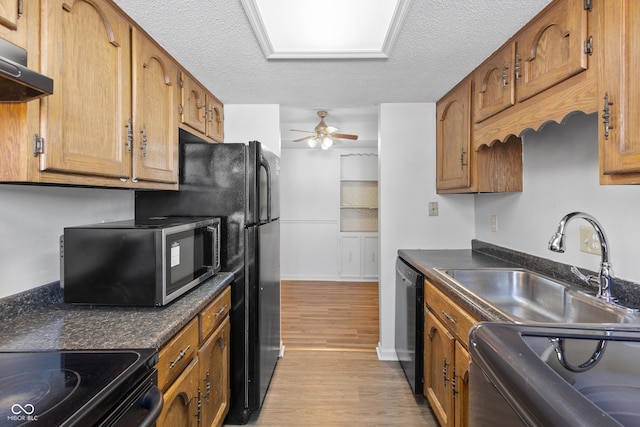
(386, 354)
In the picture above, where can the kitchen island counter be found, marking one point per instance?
(29, 321)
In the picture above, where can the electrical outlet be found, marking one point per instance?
(494, 223)
(589, 242)
(433, 208)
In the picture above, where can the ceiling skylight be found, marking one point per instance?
(295, 29)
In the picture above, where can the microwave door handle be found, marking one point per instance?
(215, 246)
(267, 168)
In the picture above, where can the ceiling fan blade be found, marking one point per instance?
(344, 136)
(303, 139)
(298, 130)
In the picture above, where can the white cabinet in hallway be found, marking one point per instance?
(359, 256)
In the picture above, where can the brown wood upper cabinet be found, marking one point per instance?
(547, 51)
(13, 20)
(619, 93)
(551, 48)
(155, 122)
(111, 120)
(200, 110)
(461, 168)
(84, 123)
(453, 139)
(495, 89)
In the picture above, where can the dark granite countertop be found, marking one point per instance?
(426, 261)
(484, 255)
(39, 320)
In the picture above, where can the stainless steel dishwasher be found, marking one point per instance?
(409, 325)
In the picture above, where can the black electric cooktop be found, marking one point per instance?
(67, 388)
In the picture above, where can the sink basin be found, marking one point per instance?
(612, 384)
(515, 372)
(525, 296)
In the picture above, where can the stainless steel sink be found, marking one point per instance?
(612, 382)
(525, 296)
(522, 373)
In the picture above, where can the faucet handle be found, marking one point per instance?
(590, 279)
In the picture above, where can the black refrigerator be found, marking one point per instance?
(239, 183)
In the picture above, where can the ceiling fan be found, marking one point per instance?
(323, 134)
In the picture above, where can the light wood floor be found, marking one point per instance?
(330, 374)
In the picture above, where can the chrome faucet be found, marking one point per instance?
(556, 244)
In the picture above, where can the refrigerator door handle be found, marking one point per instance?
(265, 164)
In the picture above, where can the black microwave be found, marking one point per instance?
(138, 262)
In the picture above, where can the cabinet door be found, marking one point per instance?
(214, 376)
(215, 118)
(155, 103)
(87, 53)
(453, 138)
(181, 400)
(10, 11)
(13, 20)
(438, 368)
(350, 256)
(370, 257)
(194, 105)
(461, 389)
(620, 135)
(551, 48)
(494, 90)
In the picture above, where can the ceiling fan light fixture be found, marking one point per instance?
(326, 143)
(313, 142)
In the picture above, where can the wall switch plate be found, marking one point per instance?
(433, 208)
(494, 223)
(589, 242)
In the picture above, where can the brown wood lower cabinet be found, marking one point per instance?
(446, 357)
(214, 369)
(181, 399)
(193, 369)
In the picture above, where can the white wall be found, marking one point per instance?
(309, 212)
(255, 122)
(561, 176)
(407, 184)
(32, 219)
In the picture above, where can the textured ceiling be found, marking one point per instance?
(441, 42)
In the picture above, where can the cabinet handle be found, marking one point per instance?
(445, 367)
(143, 147)
(222, 310)
(606, 115)
(516, 68)
(207, 383)
(180, 356)
(449, 317)
(462, 158)
(198, 413)
(129, 135)
(454, 383)
(504, 75)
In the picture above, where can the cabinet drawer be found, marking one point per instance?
(458, 321)
(214, 313)
(174, 356)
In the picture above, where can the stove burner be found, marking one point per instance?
(35, 392)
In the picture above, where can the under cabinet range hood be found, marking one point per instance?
(17, 82)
